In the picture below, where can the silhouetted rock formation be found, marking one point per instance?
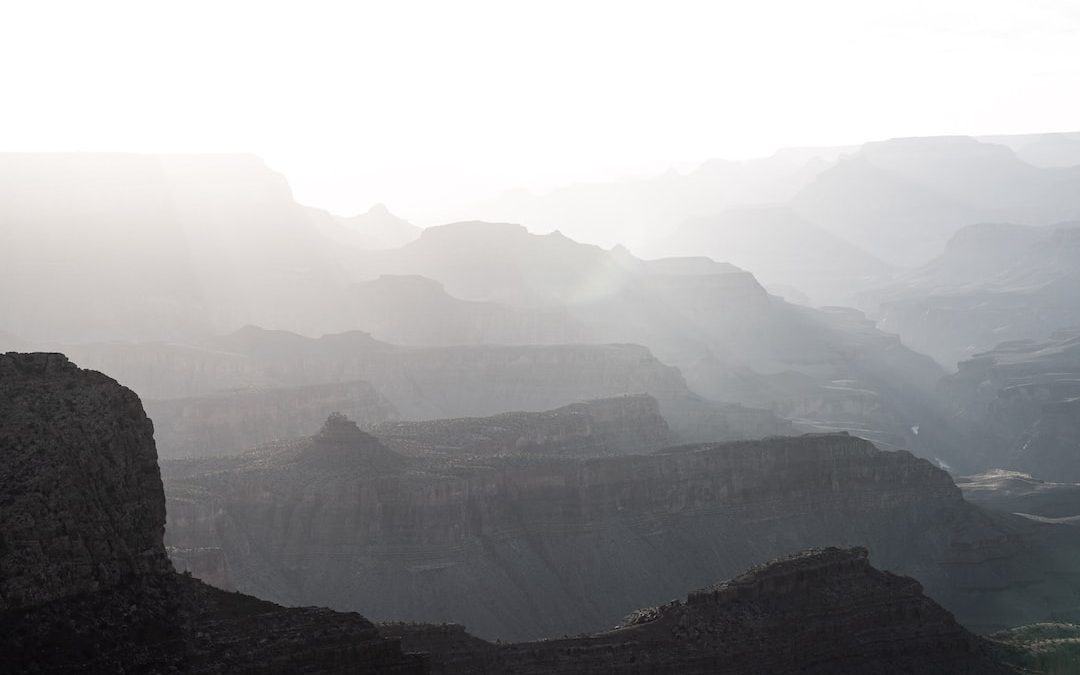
(522, 547)
(84, 509)
(820, 612)
(85, 583)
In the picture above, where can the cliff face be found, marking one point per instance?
(84, 509)
(85, 582)
(1023, 398)
(529, 547)
(821, 611)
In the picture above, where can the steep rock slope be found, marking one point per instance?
(85, 508)
(1023, 398)
(85, 583)
(817, 612)
(527, 547)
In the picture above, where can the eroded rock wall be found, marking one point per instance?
(520, 548)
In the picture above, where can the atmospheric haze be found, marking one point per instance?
(416, 338)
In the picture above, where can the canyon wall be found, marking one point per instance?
(527, 547)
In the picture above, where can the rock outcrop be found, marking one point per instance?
(83, 503)
(523, 547)
(825, 611)
(85, 582)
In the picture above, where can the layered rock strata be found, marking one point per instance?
(282, 385)
(523, 547)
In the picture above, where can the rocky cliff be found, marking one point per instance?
(538, 546)
(84, 509)
(1023, 401)
(825, 611)
(85, 582)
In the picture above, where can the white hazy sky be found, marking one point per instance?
(430, 105)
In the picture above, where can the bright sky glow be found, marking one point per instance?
(430, 105)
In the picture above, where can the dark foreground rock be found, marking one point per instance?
(86, 583)
(825, 611)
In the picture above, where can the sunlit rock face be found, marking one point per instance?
(1023, 398)
(527, 546)
(813, 612)
(85, 582)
